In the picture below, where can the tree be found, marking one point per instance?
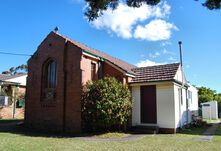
(95, 8)
(206, 94)
(212, 4)
(217, 97)
(17, 70)
(106, 105)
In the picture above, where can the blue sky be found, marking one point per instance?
(144, 36)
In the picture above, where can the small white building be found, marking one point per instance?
(17, 78)
(210, 110)
(9, 85)
(162, 97)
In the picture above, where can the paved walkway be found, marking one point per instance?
(208, 134)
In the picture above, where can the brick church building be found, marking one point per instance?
(60, 67)
(56, 73)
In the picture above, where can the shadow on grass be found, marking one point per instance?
(194, 130)
(17, 127)
(218, 131)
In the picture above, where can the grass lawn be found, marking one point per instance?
(212, 121)
(13, 140)
(111, 135)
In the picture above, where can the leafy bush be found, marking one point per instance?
(106, 104)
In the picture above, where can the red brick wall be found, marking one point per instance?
(49, 115)
(60, 113)
(86, 68)
(105, 67)
(73, 89)
(113, 72)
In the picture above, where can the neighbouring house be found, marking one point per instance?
(60, 67)
(12, 88)
(10, 83)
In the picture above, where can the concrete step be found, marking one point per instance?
(141, 129)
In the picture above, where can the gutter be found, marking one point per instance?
(87, 53)
(157, 81)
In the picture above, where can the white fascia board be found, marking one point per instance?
(151, 83)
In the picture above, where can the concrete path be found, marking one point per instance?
(208, 134)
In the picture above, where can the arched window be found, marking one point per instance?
(49, 79)
(50, 74)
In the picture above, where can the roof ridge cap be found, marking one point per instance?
(157, 65)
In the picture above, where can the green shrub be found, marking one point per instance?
(106, 105)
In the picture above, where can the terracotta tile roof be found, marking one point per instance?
(7, 76)
(120, 63)
(155, 73)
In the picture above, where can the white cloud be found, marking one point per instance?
(121, 20)
(165, 43)
(154, 55)
(172, 59)
(126, 21)
(156, 30)
(147, 62)
(167, 52)
(161, 11)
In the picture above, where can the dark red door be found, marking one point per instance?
(148, 104)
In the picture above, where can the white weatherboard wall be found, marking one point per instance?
(136, 105)
(165, 105)
(179, 77)
(193, 102)
(181, 115)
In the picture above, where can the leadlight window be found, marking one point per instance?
(51, 74)
(49, 80)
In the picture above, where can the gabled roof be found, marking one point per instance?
(4, 77)
(119, 63)
(155, 73)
